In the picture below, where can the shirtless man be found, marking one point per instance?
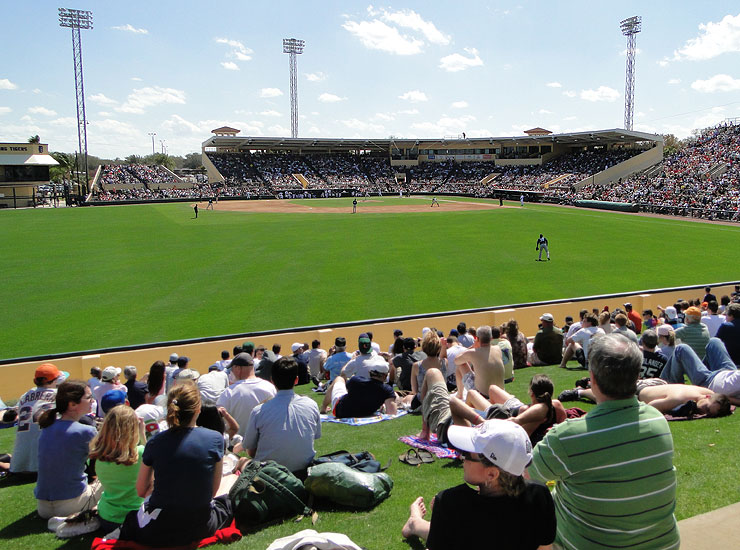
(666, 397)
(485, 360)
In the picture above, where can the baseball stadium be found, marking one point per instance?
(199, 351)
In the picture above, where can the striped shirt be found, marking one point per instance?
(615, 485)
(696, 336)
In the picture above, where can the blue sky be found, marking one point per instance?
(414, 69)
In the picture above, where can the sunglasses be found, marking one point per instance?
(468, 456)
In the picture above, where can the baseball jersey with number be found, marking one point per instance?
(30, 407)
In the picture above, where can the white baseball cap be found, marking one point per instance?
(109, 373)
(296, 346)
(502, 442)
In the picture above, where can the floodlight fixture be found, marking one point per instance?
(78, 20)
(630, 27)
(293, 47)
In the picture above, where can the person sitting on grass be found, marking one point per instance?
(360, 396)
(432, 346)
(117, 450)
(62, 488)
(503, 509)
(181, 468)
(537, 417)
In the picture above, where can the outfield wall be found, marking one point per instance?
(16, 375)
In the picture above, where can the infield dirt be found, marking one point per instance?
(287, 206)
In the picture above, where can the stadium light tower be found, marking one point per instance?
(76, 20)
(293, 47)
(630, 27)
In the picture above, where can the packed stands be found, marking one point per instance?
(700, 180)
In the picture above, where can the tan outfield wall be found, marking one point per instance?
(16, 378)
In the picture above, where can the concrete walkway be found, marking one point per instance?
(713, 530)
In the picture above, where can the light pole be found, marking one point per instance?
(152, 134)
(293, 47)
(76, 20)
(630, 27)
(161, 141)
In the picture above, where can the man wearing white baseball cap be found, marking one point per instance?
(503, 510)
(109, 380)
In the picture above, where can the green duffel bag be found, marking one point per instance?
(342, 485)
(265, 492)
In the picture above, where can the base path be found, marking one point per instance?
(369, 206)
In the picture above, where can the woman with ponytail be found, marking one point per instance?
(536, 418)
(117, 450)
(181, 467)
(62, 487)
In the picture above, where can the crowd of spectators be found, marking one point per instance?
(115, 175)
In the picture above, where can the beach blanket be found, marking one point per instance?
(363, 420)
(226, 535)
(431, 445)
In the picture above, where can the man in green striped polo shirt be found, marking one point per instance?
(615, 485)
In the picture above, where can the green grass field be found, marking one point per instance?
(86, 278)
(704, 459)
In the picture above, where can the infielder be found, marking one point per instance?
(542, 245)
(434, 201)
(354, 205)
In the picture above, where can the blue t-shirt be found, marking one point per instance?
(334, 364)
(364, 397)
(183, 460)
(63, 450)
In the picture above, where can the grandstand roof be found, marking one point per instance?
(595, 137)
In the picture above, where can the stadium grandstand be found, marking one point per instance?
(616, 169)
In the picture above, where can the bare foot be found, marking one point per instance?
(415, 523)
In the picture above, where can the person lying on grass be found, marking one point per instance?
(501, 508)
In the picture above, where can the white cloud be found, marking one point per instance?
(602, 93)
(142, 98)
(6, 84)
(718, 83)
(104, 114)
(412, 20)
(116, 127)
(663, 62)
(36, 90)
(554, 85)
(714, 39)
(415, 96)
(137, 79)
(41, 111)
(238, 50)
(230, 65)
(458, 62)
(384, 116)
(330, 98)
(569, 93)
(64, 121)
(315, 77)
(270, 113)
(278, 130)
(717, 114)
(544, 112)
(673, 81)
(408, 111)
(178, 125)
(376, 35)
(271, 92)
(446, 125)
(356, 124)
(101, 99)
(459, 104)
(130, 28)
(570, 118)
(5, 110)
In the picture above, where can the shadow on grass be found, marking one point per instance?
(415, 543)
(28, 524)
(453, 464)
(13, 480)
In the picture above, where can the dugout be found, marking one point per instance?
(23, 167)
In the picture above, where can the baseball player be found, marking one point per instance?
(542, 245)
(434, 201)
(354, 205)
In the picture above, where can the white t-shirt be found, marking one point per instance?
(212, 385)
(314, 360)
(154, 418)
(584, 336)
(244, 395)
(712, 323)
(362, 365)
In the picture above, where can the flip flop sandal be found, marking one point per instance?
(426, 456)
(410, 457)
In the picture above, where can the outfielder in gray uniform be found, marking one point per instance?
(542, 245)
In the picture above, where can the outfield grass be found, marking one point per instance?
(704, 459)
(86, 278)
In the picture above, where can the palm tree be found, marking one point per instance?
(34, 139)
